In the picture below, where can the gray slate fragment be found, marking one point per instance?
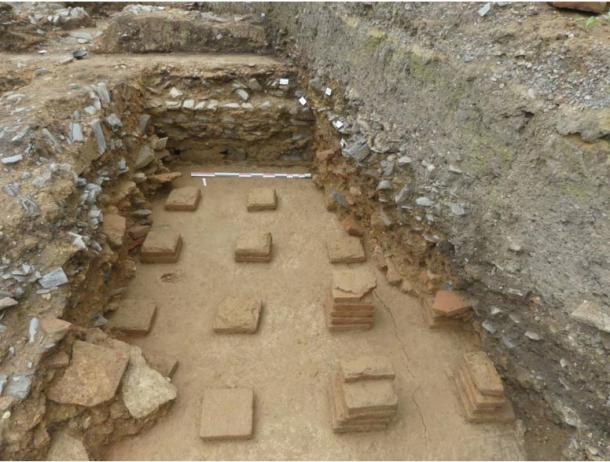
(145, 157)
(19, 386)
(593, 315)
(243, 94)
(402, 195)
(339, 199)
(102, 93)
(12, 159)
(457, 209)
(33, 329)
(359, 150)
(114, 122)
(404, 160)
(76, 133)
(3, 382)
(484, 9)
(384, 185)
(424, 202)
(55, 278)
(143, 123)
(98, 132)
(7, 302)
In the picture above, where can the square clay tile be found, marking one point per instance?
(450, 303)
(483, 373)
(340, 414)
(161, 246)
(238, 315)
(227, 413)
(345, 249)
(253, 247)
(370, 397)
(134, 316)
(183, 199)
(262, 199)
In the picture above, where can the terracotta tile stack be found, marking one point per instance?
(481, 391)
(447, 307)
(362, 396)
(350, 305)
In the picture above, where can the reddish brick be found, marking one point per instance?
(449, 303)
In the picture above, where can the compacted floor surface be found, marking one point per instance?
(289, 361)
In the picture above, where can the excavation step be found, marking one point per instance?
(161, 246)
(227, 413)
(238, 315)
(262, 199)
(253, 246)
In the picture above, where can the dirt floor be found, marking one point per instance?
(289, 361)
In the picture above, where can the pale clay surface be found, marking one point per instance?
(289, 362)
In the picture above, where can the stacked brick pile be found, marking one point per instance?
(350, 304)
(362, 396)
(481, 391)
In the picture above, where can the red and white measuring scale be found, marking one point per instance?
(288, 176)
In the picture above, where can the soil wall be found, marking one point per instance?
(489, 138)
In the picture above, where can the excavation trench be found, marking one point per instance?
(238, 116)
(290, 360)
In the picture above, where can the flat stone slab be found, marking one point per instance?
(134, 316)
(345, 249)
(366, 368)
(261, 199)
(144, 389)
(161, 246)
(184, 199)
(66, 447)
(114, 227)
(238, 315)
(483, 373)
(253, 247)
(93, 376)
(450, 303)
(352, 284)
(593, 315)
(227, 413)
